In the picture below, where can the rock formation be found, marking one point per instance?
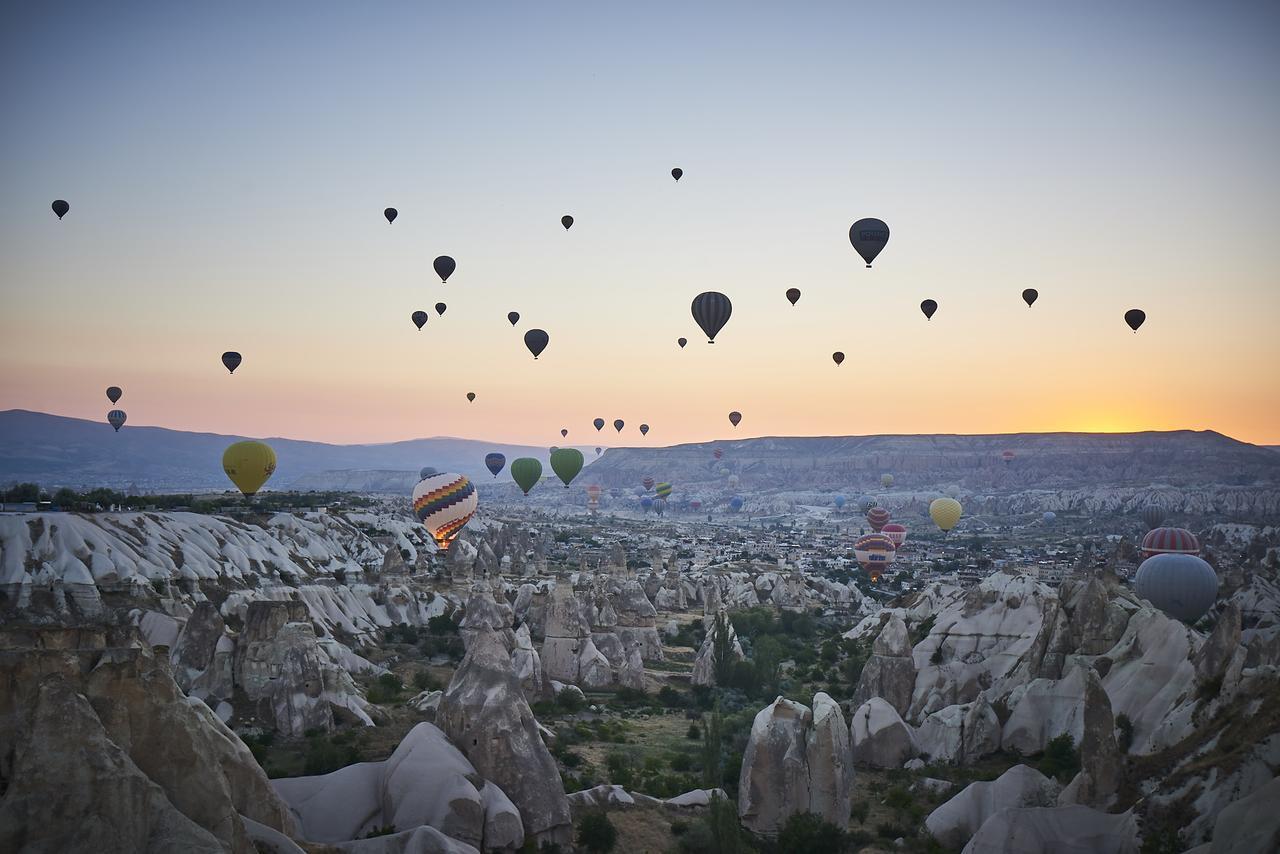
(1055, 830)
(1101, 765)
(485, 715)
(890, 672)
(960, 734)
(637, 620)
(956, 821)
(704, 665)
(880, 737)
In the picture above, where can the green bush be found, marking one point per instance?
(807, 833)
(859, 811)
(1060, 759)
(596, 833)
(323, 756)
(693, 733)
(1125, 739)
(571, 701)
(681, 762)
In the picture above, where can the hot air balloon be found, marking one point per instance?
(644, 429)
(735, 504)
(1029, 296)
(231, 360)
(866, 502)
(419, 318)
(886, 480)
(526, 471)
(793, 295)
(249, 465)
(837, 357)
(695, 504)
(733, 481)
(735, 418)
(513, 317)
(593, 495)
(711, 312)
(717, 453)
(839, 502)
(60, 207)
(660, 506)
(440, 308)
(425, 472)
(896, 533)
(598, 424)
(877, 518)
(444, 503)
(662, 490)
(1153, 515)
(391, 214)
(1049, 517)
(566, 221)
(599, 451)
(618, 424)
(646, 503)
(722, 471)
(116, 418)
(928, 307)
(564, 431)
(1172, 541)
(566, 463)
(114, 393)
(444, 266)
(875, 553)
(1135, 317)
(945, 513)
(682, 342)
(1182, 585)
(536, 340)
(471, 397)
(1007, 456)
(647, 482)
(868, 237)
(677, 173)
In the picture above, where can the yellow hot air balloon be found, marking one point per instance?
(249, 465)
(945, 512)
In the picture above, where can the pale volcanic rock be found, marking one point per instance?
(830, 757)
(637, 621)
(774, 783)
(704, 664)
(1100, 763)
(1056, 830)
(956, 821)
(960, 734)
(880, 737)
(890, 672)
(1047, 708)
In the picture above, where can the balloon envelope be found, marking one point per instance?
(644, 429)
(1049, 517)
(793, 295)
(945, 513)
(711, 311)
(566, 221)
(1153, 515)
(886, 480)
(1029, 296)
(618, 424)
(929, 307)
(896, 533)
(114, 393)
(116, 418)
(839, 502)
(877, 518)
(868, 237)
(513, 317)
(735, 418)
(647, 482)
(60, 207)
(1170, 541)
(566, 463)
(231, 360)
(677, 173)
(564, 431)
(598, 424)
(444, 267)
(735, 504)
(874, 553)
(662, 490)
(682, 342)
(440, 308)
(419, 318)
(526, 471)
(249, 465)
(444, 503)
(837, 357)
(391, 214)
(471, 397)
(536, 340)
(1182, 585)
(1135, 317)
(426, 471)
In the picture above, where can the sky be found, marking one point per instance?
(227, 166)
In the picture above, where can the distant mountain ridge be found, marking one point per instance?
(55, 451)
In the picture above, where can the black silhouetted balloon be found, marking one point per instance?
(837, 357)
(677, 173)
(444, 267)
(618, 424)
(60, 207)
(735, 418)
(564, 431)
(116, 418)
(868, 237)
(471, 397)
(514, 317)
(536, 340)
(440, 307)
(419, 318)
(793, 295)
(566, 221)
(598, 424)
(682, 342)
(114, 393)
(644, 429)
(929, 307)
(711, 311)
(231, 360)
(1029, 296)
(1135, 317)
(391, 214)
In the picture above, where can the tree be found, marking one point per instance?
(807, 833)
(722, 818)
(722, 657)
(596, 833)
(713, 727)
(1060, 759)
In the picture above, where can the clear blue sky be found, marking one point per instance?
(227, 165)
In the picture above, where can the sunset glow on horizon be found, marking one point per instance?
(227, 180)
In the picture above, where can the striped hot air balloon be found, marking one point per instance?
(895, 532)
(662, 490)
(1170, 541)
(1153, 515)
(444, 503)
(877, 518)
(648, 482)
(1007, 456)
(711, 311)
(494, 462)
(875, 553)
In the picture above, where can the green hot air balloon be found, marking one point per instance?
(566, 463)
(526, 472)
